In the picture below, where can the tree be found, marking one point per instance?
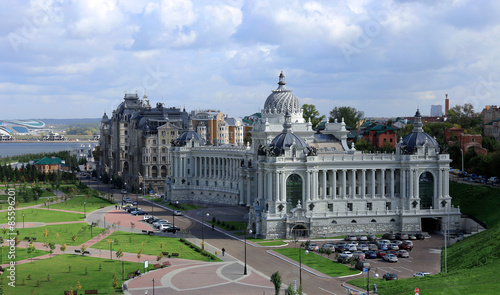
(350, 115)
(139, 254)
(276, 280)
(64, 247)
(30, 249)
(465, 116)
(310, 114)
(363, 145)
(119, 253)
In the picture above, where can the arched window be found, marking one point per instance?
(426, 190)
(293, 191)
(334, 221)
(373, 220)
(354, 221)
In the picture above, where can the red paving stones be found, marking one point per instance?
(120, 217)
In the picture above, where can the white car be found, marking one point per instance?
(177, 213)
(421, 274)
(346, 254)
(313, 247)
(391, 258)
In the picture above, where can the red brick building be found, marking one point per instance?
(377, 135)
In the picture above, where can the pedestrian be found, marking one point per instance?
(116, 207)
(137, 273)
(213, 227)
(223, 251)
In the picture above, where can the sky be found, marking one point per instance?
(386, 58)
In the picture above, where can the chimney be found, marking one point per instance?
(446, 106)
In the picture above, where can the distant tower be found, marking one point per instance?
(446, 105)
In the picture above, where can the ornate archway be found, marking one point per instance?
(299, 231)
(293, 191)
(426, 190)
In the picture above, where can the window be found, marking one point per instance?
(349, 206)
(369, 206)
(163, 141)
(330, 207)
(388, 206)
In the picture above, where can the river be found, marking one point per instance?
(9, 148)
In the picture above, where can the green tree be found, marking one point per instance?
(276, 280)
(363, 145)
(30, 249)
(465, 116)
(311, 114)
(490, 144)
(350, 115)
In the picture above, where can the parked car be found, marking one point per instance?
(389, 236)
(391, 258)
(177, 213)
(313, 247)
(363, 247)
(401, 236)
(411, 237)
(381, 253)
(330, 246)
(362, 238)
(372, 247)
(383, 247)
(358, 255)
(132, 208)
(403, 254)
(171, 229)
(372, 238)
(126, 206)
(421, 274)
(393, 246)
(341, 248)
(352, 247)
(165, 226)
(370, 254)
(407, 247)
(127, 200)
(124, 191)
(493, 179)
(152, 220)
(420, 236)
(346, 254)
(134, 203)
(139, 212)
(350, 238)
(390, 276)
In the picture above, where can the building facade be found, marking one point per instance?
(491, 121)
(135, 142)
(296, 182)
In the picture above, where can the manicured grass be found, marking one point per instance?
(318, 262)
(151, 245)
(479, 201)
(272, 243)
(20, 254)
(41, 215)
(76, 204)
(481, 280)
(61, 233)
(83, 269)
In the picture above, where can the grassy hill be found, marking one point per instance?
(473, 263)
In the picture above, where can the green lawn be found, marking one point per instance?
(318, 262)
(41, 215)
(481, 280)
(83, 269)
(76, 204)
(20, 254)
(151, 245)
(61, 233)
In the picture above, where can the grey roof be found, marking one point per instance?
(417, 138)
(282, 100)
(189, 135)
(286, 139)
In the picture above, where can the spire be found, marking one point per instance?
(417, 125)
(281, 82)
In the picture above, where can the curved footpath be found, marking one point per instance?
(188, 276)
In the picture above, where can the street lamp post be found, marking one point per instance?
(300, 262)
(202, 231)
(173, 213)
(84, 210)
(250, 232)
(110, 252)
(462, 152)
(23, 220)
(153, 286)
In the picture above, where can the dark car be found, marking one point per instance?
(140, 212)
(390, 276)
(171, 229)
(389, 236)
(152, 220)
(420, 236)
(371, 254)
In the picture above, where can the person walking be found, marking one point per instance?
(223, 251)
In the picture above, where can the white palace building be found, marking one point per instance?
(297, 182)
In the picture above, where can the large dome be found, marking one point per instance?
(417, 138)
(282, 100)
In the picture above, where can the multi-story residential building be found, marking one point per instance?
(135, 142)
(298, 182)
(218, 129)
(379, 134)
(436, 110)
(491, 121)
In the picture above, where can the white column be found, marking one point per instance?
(446, 184)
(308, 185)
(242, 190)
(373, 183)
(392, 183)
(315, 185)
(269, 186)
(415, 183)
(283, 187)
(363, 183)
(249, 190)
(323, 180)
(353, 183)
(404, 193)
(411, 178)
(382, 183)
(344, 184)
(334, 184)
(276, 196)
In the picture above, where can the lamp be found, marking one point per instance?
(250, 232)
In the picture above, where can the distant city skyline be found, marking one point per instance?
(65, 59)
